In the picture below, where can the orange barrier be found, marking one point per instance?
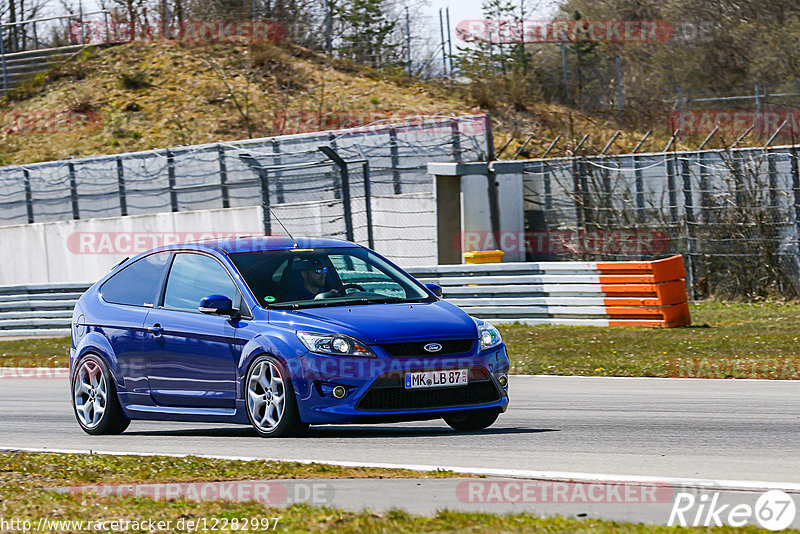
(645, 293)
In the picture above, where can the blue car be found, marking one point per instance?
(278, 334)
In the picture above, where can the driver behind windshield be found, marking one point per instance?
(311, 281)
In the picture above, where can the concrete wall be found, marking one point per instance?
(482, 185)
(85, 250)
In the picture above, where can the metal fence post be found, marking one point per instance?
(337, 179)
(80, 15)
(586, 200)
(639, 185)
(265, 202)
(276, 149)
(619, 88)
(368, 205)
(605, 216)
(487, 124)
(688, 220)
(705, 194)
(393, 148)
(263, 176)
(548, 190)
(123, 201)
(173, 194)
(796, 203)
(348, 213)
(73, 191)
(28, 195)
(564, 65)
(408, 42)
(772, 180)
(672, 161)
(758, 123)
(3, 59)
(223, 177)
(576, 193)
(456, 139)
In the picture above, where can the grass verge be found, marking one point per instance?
(25, 477)
(727, 340)
(82, 469)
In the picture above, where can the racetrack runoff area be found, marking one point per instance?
(700, 437)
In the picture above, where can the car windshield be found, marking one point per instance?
(305, 278)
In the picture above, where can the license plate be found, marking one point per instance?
(437, 379)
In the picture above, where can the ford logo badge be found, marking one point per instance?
(432, 347)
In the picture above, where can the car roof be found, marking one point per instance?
(233, 245)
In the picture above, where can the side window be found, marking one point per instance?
(194, 276)
(138, 283)
(355, 270)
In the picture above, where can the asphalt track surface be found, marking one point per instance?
(710, 434)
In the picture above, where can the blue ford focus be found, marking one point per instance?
(279, 334)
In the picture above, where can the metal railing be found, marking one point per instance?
(734, 214)
(19, 37)
(310, 192)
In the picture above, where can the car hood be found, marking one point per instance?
(383, 323)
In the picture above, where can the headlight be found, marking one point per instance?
(489, 336)
(336, 344)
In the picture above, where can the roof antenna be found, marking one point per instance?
(284, 228)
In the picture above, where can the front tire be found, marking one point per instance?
(270, 401)
(474, 420)
(94, 398)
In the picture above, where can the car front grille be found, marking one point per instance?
(389, 394)
(417, 348)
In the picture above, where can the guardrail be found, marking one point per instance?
(622, 293)
(618, 293)
(38, 310)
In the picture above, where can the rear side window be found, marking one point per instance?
(194, 276)
(138, 283)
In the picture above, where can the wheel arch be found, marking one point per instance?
(97, 345)
(266, 346)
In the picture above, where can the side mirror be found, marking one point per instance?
(217, 305)
(435, 289)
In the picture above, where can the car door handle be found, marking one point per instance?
(156, 330)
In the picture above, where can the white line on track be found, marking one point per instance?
(702, 483)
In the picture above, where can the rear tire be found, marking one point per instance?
(94, 398)
(474, 420)
(269, 399)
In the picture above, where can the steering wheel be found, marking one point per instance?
(340, 292)
(345, 287)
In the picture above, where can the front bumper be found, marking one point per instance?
(375, 391)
